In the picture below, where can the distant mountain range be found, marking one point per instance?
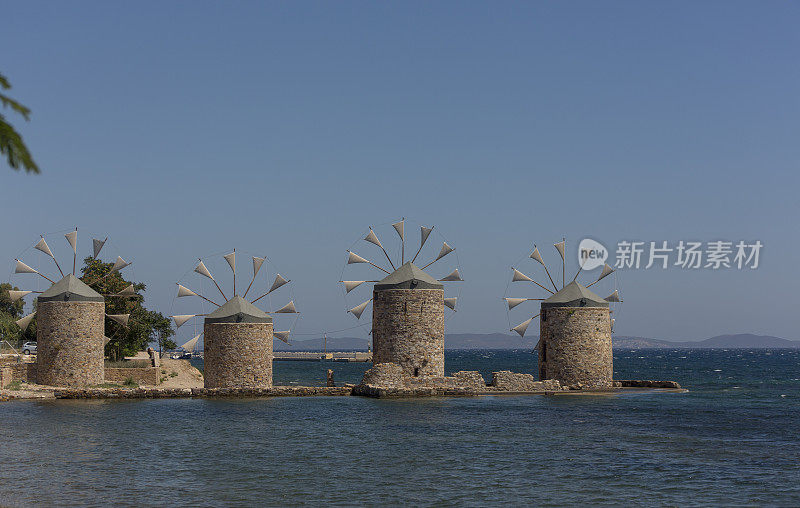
(505, 341)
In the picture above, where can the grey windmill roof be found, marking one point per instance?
(408, 276)
(238, 310)
(574, 295)
(70, 289)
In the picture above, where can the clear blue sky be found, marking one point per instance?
(188, 128)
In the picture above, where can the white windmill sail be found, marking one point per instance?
(451, 302)
(184, 291)
(355, 258)
(106, 340)
(257, 262)
(97, 246)
(202, 270)
(612, 324)
(446, 249)
(190, 344)
(72, 238)
(536, 255)
(16, 295)
(182, 318)
(24, 322)
(424, 234)
(522, 327)
(607, 270)
(399, 227)
(518, 276)
(119, 264)
(359, 309)
(560, 248)
(119, 318)
(279, 281)
(350, 285)
(282, 336)
(42, 246)
(231, 259)
(23, 268)
(373, 238)
(287, 309)
(454, 276)
(513, 302)
(613, 297)
(128, 291)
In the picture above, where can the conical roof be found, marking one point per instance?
(574, 295)
(238, 310)
(408, 276)
(70, 289)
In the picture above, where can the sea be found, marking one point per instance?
(731, 440)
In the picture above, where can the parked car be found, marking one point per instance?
(29, 348)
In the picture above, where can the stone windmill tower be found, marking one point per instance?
(237, 335)
(70, 320)
(407, 307)
(575, 327)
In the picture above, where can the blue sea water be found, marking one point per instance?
(731, 440)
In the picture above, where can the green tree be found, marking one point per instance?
(11, 144)
(9, 313)
(144, 326)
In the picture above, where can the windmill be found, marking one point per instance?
(237, 335)
(70, 317)
(407, 303)
(575, 323)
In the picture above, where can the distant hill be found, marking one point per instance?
(506, 341)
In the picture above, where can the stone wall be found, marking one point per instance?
(70, 343)
(20, 371)
(6, 376)
(384, 374)
(391, 375)
(506, 380)
(237, 355)
(149, 376)
(575, 346)
(408, 329)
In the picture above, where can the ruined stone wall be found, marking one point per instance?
(142, 375)
(69, 336)
(506, 380)
(20, 370)
(237, 355)
(408, 329)
(575, 346)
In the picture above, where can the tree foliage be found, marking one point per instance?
(144, 326)
(11, 144)
(9, 313)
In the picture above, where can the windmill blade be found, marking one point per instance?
(97, 246)
(612, 324)
(119, 318)
(560, 248)
(24, 322)
(424, 234)
(16, 295)
(359, 309)
(106, 340)
(355, 258)
(128, 291)
(613, 297)
(289, 308)
(523, 327)
(279, 281)
(23, 268)
(536, 255)
(282, 336)
(446, 249)
(350, 285)
(184, 291)
(454, 276)
(257, 262)
(451, 302)
(119, 264)
(202, 270)
(513, 302)
(373, 238)
(399, 227)
(72, 238)
(519, 276)
(190, 345)
(231, 259)
(42, 246)
(182, 318)
(607, 270)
